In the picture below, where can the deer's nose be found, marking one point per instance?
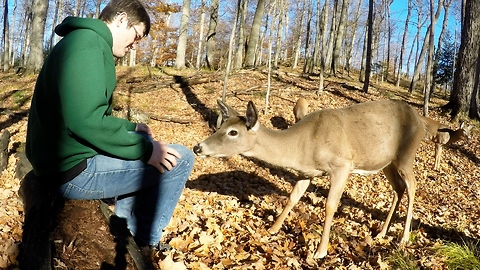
(197, 149)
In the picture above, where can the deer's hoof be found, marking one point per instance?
(272, 230)
(320, 254)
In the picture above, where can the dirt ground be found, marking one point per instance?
(228, 204)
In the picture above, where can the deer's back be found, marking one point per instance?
(369, 134)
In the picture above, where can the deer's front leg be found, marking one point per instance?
(438, 155)
(338, 179)
(295, 196)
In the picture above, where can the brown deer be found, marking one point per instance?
(300, 109)
(363, 139)
(442, 135)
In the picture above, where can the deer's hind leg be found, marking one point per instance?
(399, 187)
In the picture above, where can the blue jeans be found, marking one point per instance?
(146, 198)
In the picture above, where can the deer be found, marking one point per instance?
(300, 109)
(363, 139)
(443, 135)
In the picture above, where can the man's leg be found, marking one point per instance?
(146, 197)
(149, 210)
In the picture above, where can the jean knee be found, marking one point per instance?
(186, 154)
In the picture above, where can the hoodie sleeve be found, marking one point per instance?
(86, 79)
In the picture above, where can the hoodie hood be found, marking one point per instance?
(70, 24)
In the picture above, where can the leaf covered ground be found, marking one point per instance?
(228, 204)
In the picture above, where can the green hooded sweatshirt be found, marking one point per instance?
(70, 115)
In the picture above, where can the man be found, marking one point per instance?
(74, 143)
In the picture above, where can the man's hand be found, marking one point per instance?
(163, 157)
(141, 127)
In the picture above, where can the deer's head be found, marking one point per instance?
(236, 135)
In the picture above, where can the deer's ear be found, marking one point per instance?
(252, 117)
(226, 110)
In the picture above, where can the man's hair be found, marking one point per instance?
(135, 11)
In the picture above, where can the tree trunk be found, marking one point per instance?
(211, 35)
(368, 60)
(298, 37)
(351, 39)
(254, 35)
(316, 46)
(331, 38)
(446, 7)
(429, 69)
(6, 44)
(308, 46)
(241, 35)
(464, 99)
(389, 37)
(200, 37)
(27, 33)
(418, 66)
(278, 43)
(132, 58)
(98, 4)
(182, 37)
(35, 57)
(339, 36)
(11, 52)
(230, 51)
(404, 41)
(323, 44)
(59, 4)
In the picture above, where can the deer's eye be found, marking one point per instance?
(232, 133)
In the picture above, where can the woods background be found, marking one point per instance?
(382, 39)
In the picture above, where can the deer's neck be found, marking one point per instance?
(277, 147)
(456, 136)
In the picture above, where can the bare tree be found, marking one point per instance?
(98, 4)
(446, 7)
(420, 23)
(331, 38)
(35, 57)
(418, 66)
(182, 37)
(389, 38)
(350, 40)
(6, 45)
(323, 34)
(339, 36)
(429, 69)
(368, 41)
(297, 40)
(201, 37)
(464, 100)
(212, 33)
(58, 7)
(241, 35)
(404, 41)
(11, 52)
(254, 35)
(308, 46)
(282, 9)
(230, 50)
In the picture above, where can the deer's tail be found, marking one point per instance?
(42, 205)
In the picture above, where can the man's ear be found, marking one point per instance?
(120, 18)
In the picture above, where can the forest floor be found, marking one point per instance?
(228, 204)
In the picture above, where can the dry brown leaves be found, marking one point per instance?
(227, 206)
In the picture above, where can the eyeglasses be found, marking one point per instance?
(137, 35)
